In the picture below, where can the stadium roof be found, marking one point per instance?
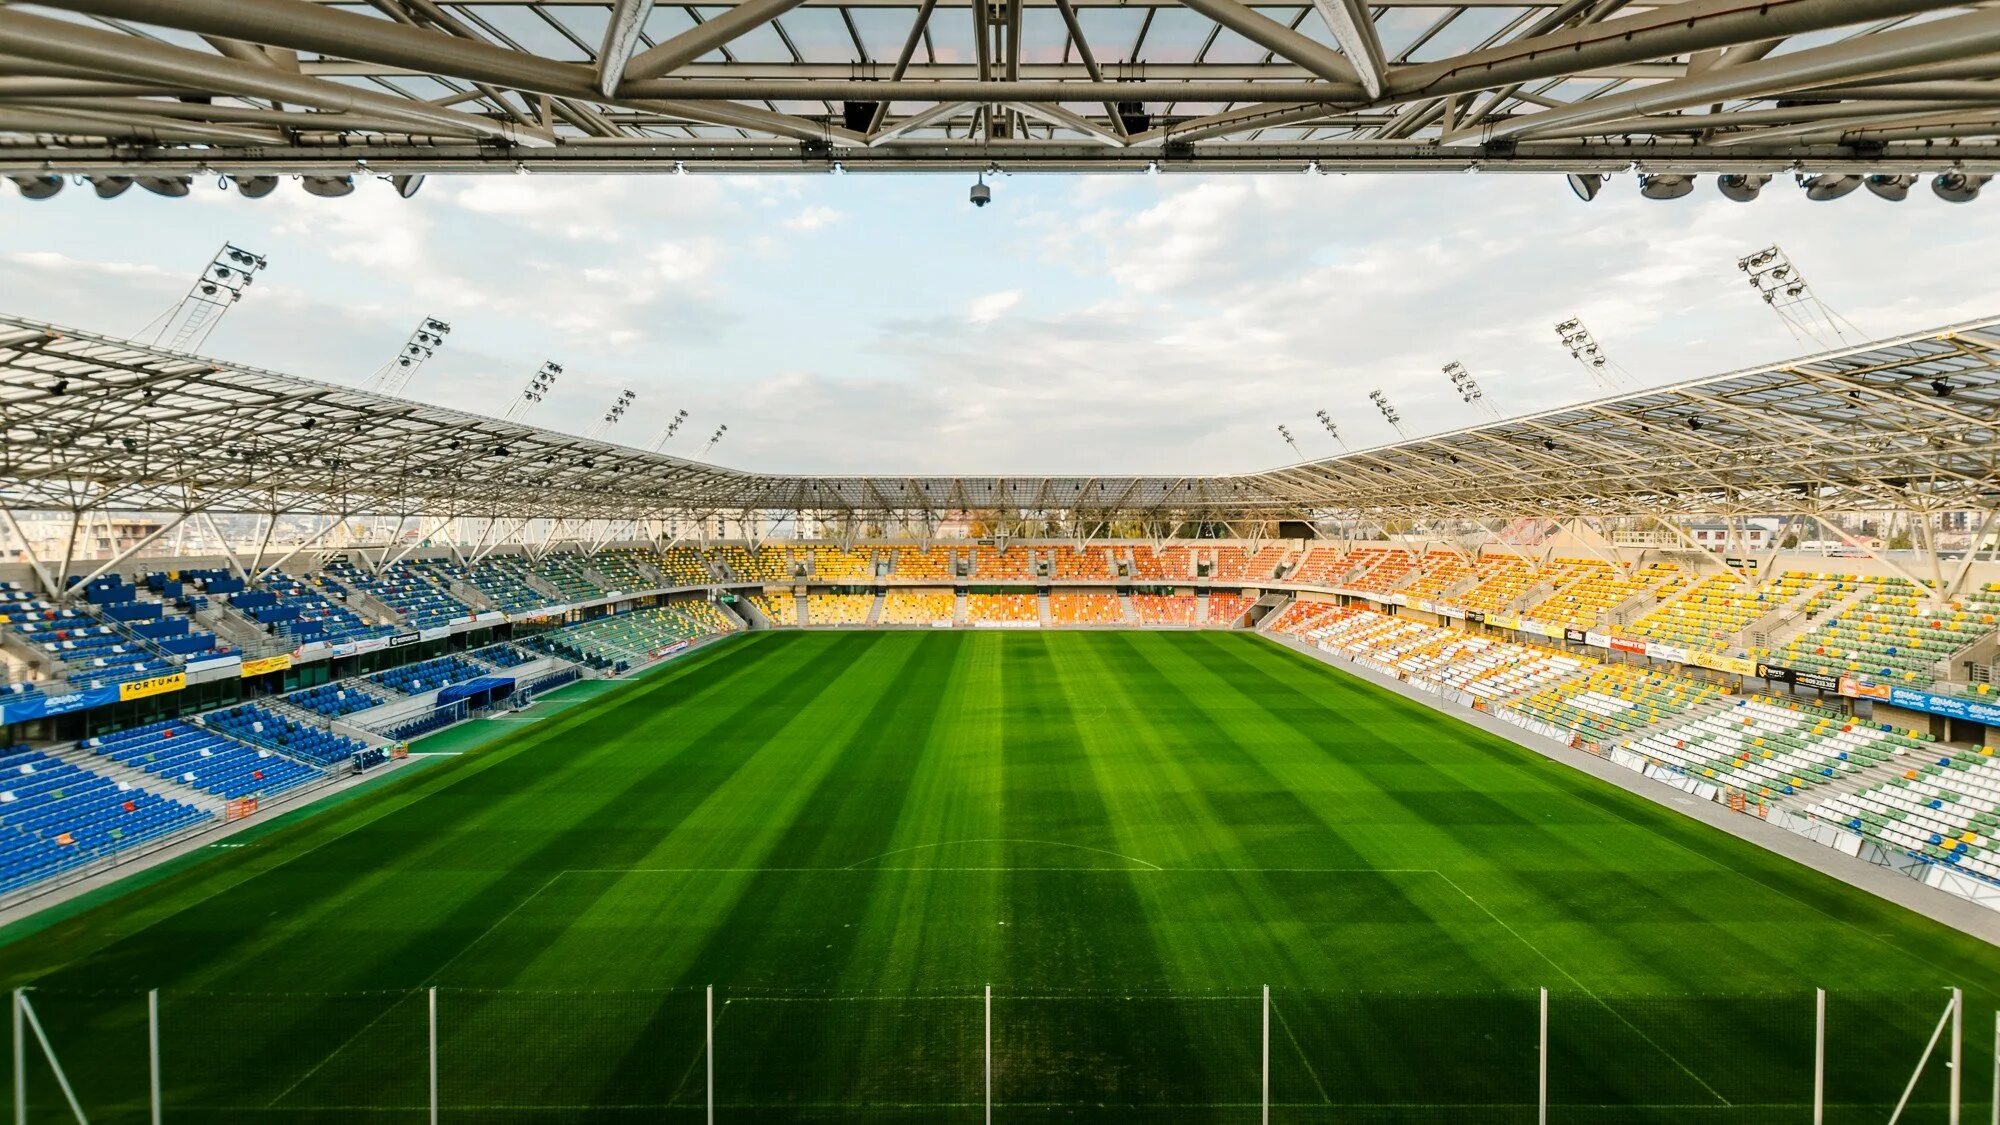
(97, 423)
(172, 87)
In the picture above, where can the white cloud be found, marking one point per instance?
(813, 218)
(992, 306)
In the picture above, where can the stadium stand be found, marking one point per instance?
(336, 700)
(918, 607)
(1001, 608)
(55, 816)
(403, 588)
(1769, 748)
(429, 675)
(502, 656)
(295, 610)
(503, 580)
(178, 751)
(1085, 609)
(1165, 609)
(911, 564)
(768, 565)
(1322, 566)
(1011, 565)
(1946, 810)
(1892, 634)
(260, 726)
(839, 609)
(1237, 564)
(565, 572)
(683, 566)
(1387, 570)
(1503, 579)
(628, 640)
(1299, 617)
(833, 564)
(1071, 564)
(1615, 700)
(779, 609)
(1226, 609)
(1171, 564)
(1439, 571)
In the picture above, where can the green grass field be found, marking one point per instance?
(1127, 835)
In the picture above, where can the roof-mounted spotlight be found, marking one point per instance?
(1895, 189)
(254, 187)
(407, 186)
(1665, 185)
(110, 187)
(1741, 187)
(1822, 188)
(38, 186)
(1586, 185)
(1942, 388)
(173, 187)
(1958, 187)
(329, 187)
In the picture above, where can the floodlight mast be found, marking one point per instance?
(1389, 413)
(1585, 350)
(673, 427)
(222, 283)
(712, 439)
(424, 341)
(1332, 431)
(537, 389)
(1286, 433)
(611, 416)
(1469, 390)
(1778, 281)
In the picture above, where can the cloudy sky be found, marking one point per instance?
(1146, 323)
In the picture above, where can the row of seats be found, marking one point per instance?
(55, 816)
(918, 607)
(335, 700)
(178, 750)
(839, 609)
(1768, 748)
(625, 640)
(259, 725)
(1086, 609)
(1002, 607)
(429, 675)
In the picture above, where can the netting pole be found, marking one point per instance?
(708, 1051)
(1957, 1048)
(1542, 1066)
(1922, 1062)
(434, 1054)
(1819, 1056)
(989, 1055)
(55, 1064)
(153, 1049)
(20, 1066)
(1996, 1067)
(1265, 1097)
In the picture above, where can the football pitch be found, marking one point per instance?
(1127, 836)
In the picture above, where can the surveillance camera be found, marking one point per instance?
(981, 195)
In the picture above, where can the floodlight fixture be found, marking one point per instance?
(1586, 185)
(1665, 185)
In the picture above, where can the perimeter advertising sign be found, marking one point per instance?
(266, 665)
(152, 685)
(1950, 706)
(1778, 673)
